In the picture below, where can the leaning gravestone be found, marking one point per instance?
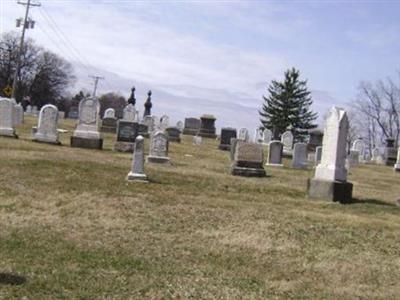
(287, 141)
(127, 132)
(192, 126)
(174, 134)
(137, 169)
(267, 136)
(158, 148)
(397, 164)
(330, 181)
(207, 126)
(86, 134)
(243, 134)
(248, 160)
(275, 154)
(227, 134)
(6, 118)
(299, 156)
(47, 125)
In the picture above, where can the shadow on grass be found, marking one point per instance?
(370, 201)
(6, 278)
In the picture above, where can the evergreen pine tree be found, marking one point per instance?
(288, 105)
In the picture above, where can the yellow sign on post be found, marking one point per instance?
(7, 91)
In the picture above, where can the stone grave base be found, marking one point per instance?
(330, 190)
(8, 133)
(287, 154)
(188, 131)
(274, 165)
(124, 147)
(248, 172)
(136, 177)
(158, 159)
(224, 147)
(108, 129)
(52, 142)
(80, 142)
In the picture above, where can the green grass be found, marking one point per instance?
(75, 229)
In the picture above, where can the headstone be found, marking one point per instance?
(129, 113)
(35, 110)
(258, 136)
(109, 113)
(174, 134)
(164, 122)
(227, 134)
(61, 115)
(29, 109)
(248, 160)
(197, 140)
(299, 156)
(314, 140)
(330, 181)
(192, 126)
(375, 153)
(267, 136)
(6, 118)
(207, 126)
(243, 134)
(287, 141)
(275, 153)
(18, 115)
(137, 169)
(126, 135)
(73, 112)
(390, 153)
(353, 158)
(47, 125)
(318, 155)
(397, 164)
(158, 148)
(179, 125)
(86, 134)
(359, 146)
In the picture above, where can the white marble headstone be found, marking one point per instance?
(267, 136)
(243, 135)
(47, 125)
(109, 113)
(6, 117)
(88, 123)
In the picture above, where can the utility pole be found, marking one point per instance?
(96, 81)
(25, 25)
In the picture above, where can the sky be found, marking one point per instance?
(219, 56)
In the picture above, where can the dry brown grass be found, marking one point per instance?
(74, 227)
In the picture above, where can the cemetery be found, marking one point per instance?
(199, 150)
(78, 203)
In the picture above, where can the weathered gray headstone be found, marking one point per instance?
(35, 110)
(227, 134)
(267, 136)
(375, 153)
(86, 134)
(29, 109)
(47, 125)
(330, 181)
(299, 156)
(109, 113)
(287, 141)
(243, 134)
(275, 154)
(7, 118)
(137, 169)
(248, 160)
(390, 153)
(258, 136)
(197, 140)
(174, 134)
(127, 132)
(18, 114)
(192, 126)
(158, 148)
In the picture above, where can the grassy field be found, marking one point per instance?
(72, 228)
